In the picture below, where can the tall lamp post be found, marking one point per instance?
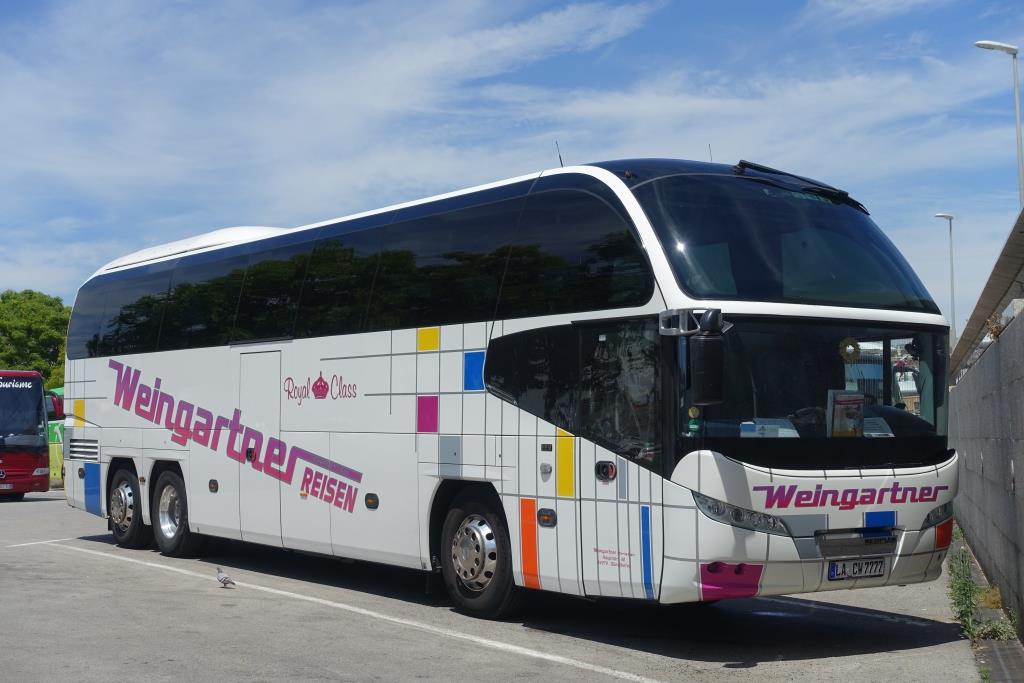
(1012, 51)
(952, 291)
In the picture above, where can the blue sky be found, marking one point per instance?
(128, 124)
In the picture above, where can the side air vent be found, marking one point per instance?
(88, 449)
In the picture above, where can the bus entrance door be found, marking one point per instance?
(259, 399)
(619, 409)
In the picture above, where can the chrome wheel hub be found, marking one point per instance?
(169, 512)
(122, 506)
(474, 553)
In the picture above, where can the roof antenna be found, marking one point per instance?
(711, 158)
(557, 149)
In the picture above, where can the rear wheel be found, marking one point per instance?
(12, 497)
(170, 517)
(476, 558)
(125, 508)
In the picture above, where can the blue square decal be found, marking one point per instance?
(473, 371)
(884, 519)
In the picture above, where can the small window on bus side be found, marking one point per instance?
(573, 251)
(536, 370)
(203, 299)
(270, 293)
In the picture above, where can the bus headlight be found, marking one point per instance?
(741, 517)
(938, 515)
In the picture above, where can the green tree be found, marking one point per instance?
(33, 329)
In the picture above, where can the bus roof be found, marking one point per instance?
(631, 171)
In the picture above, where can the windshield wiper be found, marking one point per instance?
(812, 186)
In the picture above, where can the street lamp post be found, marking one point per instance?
(952, 291)
(1012, 51)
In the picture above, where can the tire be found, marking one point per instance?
(12, 497)
(124, 505)
(169, 514)
(476, 558)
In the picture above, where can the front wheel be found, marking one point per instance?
(170, 517)
(125, 508)
(476, 558)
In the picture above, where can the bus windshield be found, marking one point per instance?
(753, 239)
(22, 420)
(822, 395)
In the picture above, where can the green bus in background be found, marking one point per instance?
(55, 435)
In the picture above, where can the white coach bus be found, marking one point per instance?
(654, 379)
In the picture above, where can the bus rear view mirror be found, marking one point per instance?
(707, 359)
(56, 407)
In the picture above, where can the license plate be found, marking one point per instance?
(6, 487)
(863, 568)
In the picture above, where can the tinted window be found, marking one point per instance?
(203, 299)
(444, 268)
(340, 277)
(119, 313)
(538, 371)
(599, 381)
(732, 237)
(620, 389)
(270, 293)
(133, 309)
(573, 251)
(86, 319)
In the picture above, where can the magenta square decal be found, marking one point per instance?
(426, 414)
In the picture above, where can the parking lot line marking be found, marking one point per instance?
(55, 540)
(400, 621)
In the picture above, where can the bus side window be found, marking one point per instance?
(270, 293)
(442, 268)
(201, 308)
(133, 309)
(342, 268)
(601, 382)
(538, 371)
(85, 325)
(620, 389)
(572, 252)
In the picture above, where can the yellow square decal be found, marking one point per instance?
(428, 339)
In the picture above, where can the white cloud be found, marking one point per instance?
(838, 14)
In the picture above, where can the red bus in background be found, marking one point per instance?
(24, 446)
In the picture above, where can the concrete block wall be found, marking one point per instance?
(986, 427)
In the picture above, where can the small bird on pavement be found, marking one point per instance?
(224, 579)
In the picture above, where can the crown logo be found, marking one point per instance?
(320, 387)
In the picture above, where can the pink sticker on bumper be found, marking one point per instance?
(724, 580)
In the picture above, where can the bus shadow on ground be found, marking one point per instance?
(736, 633)
(741, 633)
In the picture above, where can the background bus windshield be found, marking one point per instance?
(22, 421)
(748, 238)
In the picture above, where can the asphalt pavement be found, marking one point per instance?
(73, 606)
